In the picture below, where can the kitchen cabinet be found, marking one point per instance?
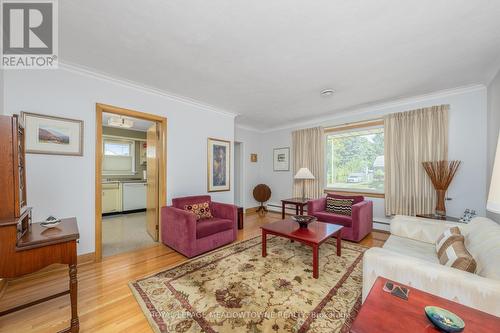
(111, 197)
(134, 196)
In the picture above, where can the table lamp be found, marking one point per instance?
(493, 204)
(304, 174)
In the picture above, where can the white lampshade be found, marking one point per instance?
(304, 173)
(493, 204)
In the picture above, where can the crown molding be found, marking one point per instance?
(493, 76)
(367, 109)
(82, 70)
(248, 128)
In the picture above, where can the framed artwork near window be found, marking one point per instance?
(281, 159)
(219, 165)
(52, 135)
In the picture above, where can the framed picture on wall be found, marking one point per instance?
(219, 165)
(281, 159)
(52, 135)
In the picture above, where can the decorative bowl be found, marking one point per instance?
(444, 319)
(49, 225)
(303, 220)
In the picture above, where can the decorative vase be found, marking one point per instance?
(440, 206)
(441, 174)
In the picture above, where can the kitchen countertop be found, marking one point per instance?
(123, 181)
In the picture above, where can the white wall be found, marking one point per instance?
(63, 185)
(493, 128)
(467, 142)
(252, 171)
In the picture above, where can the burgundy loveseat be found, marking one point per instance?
(182, 232)
(356, 226)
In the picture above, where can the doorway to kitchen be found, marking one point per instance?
(130, 179)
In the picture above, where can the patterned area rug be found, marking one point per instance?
(235, 289)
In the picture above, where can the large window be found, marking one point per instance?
(118, 157)
(355, 159)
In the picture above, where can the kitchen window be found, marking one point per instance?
(118, 156)
(355, 158)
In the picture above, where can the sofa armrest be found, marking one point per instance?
(465, 288)
(362, 219)
(178, 224)
(317, 205)
(226, 211)
(363, 210)
(421, 229)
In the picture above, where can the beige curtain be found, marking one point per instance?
(308, 152)
(411, 138)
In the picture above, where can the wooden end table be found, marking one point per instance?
(299, 204)
(314, 235)
(385, 313)
(37, 248)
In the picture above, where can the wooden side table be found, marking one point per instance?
(240, 218)
(299, 204)
(36, 249)
(437, 217)
(385, 313)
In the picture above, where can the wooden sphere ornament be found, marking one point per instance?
(261, 194)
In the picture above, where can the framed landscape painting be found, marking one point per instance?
(52, 135)
(219, 165)
(281, 159)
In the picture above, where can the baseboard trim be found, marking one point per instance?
(86, 258)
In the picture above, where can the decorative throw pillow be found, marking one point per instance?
(201, 210)
(339, 206)
(449, 236)
(457, 256)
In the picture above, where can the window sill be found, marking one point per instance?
(365, 194)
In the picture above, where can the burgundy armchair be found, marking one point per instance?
(356, 226)
(182, 232)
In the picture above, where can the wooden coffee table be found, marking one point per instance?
(385, 313)
(315, 234)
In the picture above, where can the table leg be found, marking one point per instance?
(315, 261)
(339, 240)
(73, 291)
(296, 209)
(282, 210)
(264, 243)
(301, 210)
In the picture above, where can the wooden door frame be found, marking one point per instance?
(162, 165)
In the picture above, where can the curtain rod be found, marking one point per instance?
(357, 124)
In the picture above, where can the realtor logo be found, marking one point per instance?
(29, 34)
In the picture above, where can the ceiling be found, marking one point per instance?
(139, 124)
(267, 61)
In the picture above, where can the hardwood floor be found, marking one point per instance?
(105, 303)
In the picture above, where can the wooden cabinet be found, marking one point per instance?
(12, 175)
(111, 197)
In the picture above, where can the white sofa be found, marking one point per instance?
(409, 257)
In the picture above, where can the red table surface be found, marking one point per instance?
(385, 313)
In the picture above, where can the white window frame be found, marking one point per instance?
(346, 128)
(131, 142)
